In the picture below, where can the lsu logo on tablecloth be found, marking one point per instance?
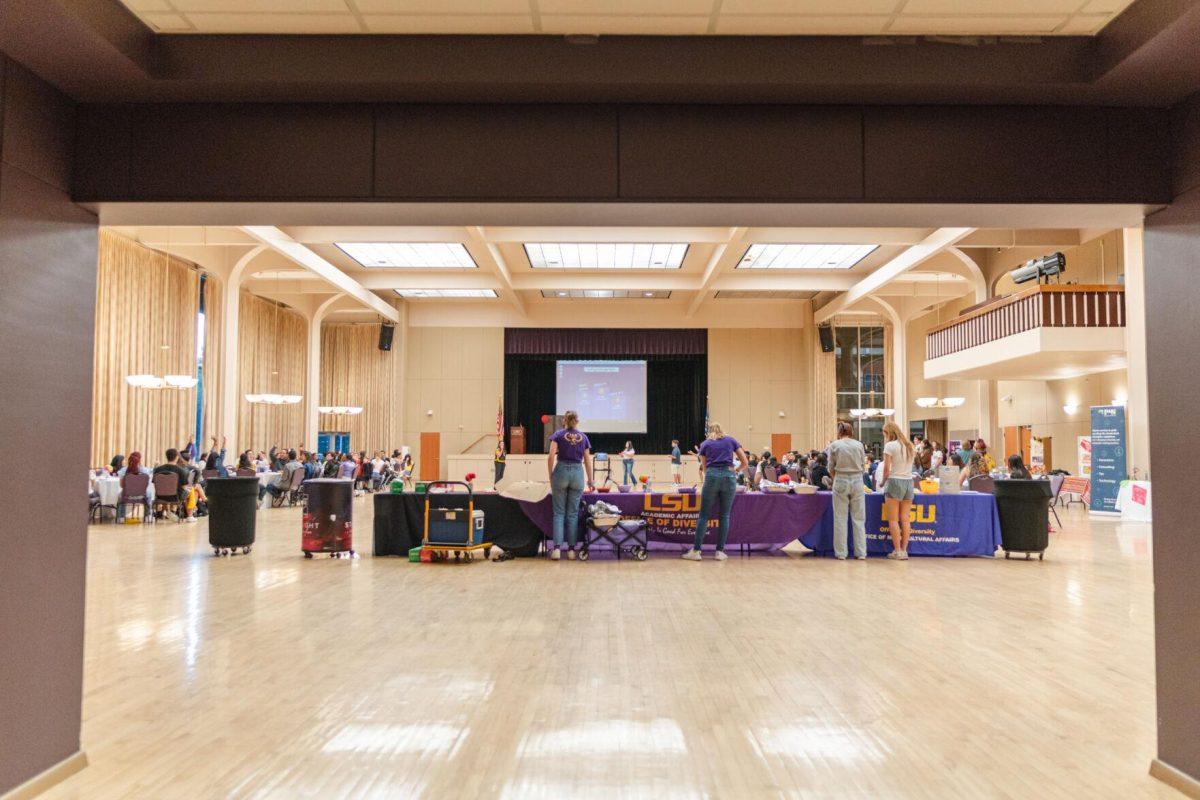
(671, 503)
(926, 514)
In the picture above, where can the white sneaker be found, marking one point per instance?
(692, 555)
(903, 555)
(840, 558)
(720, 556)
(190, 519)
(860, 558)
(555, 555)
(894, 555)
(570, 555)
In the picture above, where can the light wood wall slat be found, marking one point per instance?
(355, 372)
(144, 299)
(270, 338)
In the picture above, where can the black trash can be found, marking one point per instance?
(232, 511)
(1024, 508)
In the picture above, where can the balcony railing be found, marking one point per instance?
(1037, 307)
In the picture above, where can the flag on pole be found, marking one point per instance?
(500, 418)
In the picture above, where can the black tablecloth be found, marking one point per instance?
(400, 520)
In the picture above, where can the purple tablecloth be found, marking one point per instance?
(767, 521)
(965, 524)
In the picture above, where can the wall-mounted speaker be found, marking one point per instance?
(826, 334)
(385, 336)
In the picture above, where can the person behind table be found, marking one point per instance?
(569, 459)
(498, 461)
(1016, 467)
(938, 458)
(989, 463)
(406, 466)
(963, 474)
(676, 462)
(116, 465)
(898, 487)
(283, 481)
(819, 475)
(869, 473)
(965, 451)
(720, 457)
(172, 467)
(627, 462)
(847, 459)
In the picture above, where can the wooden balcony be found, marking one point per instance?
(1043, 331)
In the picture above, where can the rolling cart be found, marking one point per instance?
(328, 520)
(453, 530)
(602, 465)
(628, 536)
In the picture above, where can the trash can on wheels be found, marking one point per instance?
(328, 518)
(1024, 509)
(232, 511)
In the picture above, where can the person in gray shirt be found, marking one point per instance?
(847, 459)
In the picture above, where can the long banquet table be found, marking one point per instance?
(964, 524)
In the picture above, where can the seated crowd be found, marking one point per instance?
(189, 470)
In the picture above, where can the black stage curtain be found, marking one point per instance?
(603, 343)
(676, 387)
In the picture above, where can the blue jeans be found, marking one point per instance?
(628, 462)
(720, 487)
(566, 487)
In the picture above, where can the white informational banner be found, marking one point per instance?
(1085, 456)
(1037, 456)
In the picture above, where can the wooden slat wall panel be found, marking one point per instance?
(144, 299)
(355, 372)
(270, 338)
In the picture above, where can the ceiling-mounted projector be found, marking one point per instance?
(1038, 268)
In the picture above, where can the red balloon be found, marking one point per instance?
(545, 418)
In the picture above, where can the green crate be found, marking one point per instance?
(414, 555)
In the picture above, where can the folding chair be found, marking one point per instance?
(982, 483)
(295, 491)
(135, 491)
(166, 493)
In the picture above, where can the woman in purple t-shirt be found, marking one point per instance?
(718, 453)
(570, 457)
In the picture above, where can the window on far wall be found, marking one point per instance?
(861, 379)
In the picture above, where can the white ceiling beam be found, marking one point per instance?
(933, 244)
(782, 281)
(392, 279)
(496, 264)
(722, 256)
(294, 251)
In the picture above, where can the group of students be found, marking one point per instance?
(368, 473)
(845, 468)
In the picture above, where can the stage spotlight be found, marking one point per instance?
(1038, 268)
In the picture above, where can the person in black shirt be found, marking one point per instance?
(172, 467)
(820, 472)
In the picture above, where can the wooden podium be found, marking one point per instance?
(516, 440)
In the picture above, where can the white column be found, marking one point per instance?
(231, 379)
(312, 384)
(989, 415)
(899, 398)
(1138, 402)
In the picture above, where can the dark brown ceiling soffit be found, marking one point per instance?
(95, 50)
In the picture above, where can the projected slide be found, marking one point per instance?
(610, 396)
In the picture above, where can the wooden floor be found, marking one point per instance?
(270, 676)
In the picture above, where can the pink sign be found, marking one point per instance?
(1139, 495)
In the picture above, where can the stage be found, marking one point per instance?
(964, 524)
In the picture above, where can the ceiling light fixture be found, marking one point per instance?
(411, 255)
(866, 413)
(341, 410)
(940, 402)
(426, 294)
(804, 256)
(605, 255)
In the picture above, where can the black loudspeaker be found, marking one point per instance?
(826, 333)
(385, 336)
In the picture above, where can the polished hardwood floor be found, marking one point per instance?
(270, 676)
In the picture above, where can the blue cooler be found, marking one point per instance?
(455, 526)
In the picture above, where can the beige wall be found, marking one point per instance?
(458, 373)
(1039, 404)
(753, 374)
